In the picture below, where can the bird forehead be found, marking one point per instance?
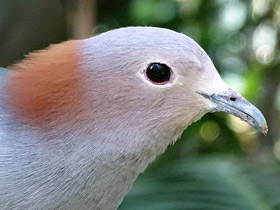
(132, 49)
(163, 42)
(147, 41)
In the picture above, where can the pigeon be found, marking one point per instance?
(80, 120)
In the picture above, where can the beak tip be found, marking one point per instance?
(259, 121)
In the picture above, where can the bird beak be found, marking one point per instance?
(232, 103)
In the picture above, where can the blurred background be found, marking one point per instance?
(220, 163)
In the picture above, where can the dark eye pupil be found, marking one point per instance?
(158, 72)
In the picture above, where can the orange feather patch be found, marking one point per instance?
(47, 85)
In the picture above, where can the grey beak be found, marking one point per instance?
(234, 104)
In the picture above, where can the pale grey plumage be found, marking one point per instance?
(91, 161)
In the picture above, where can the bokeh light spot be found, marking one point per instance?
(236, 9)
(235, 80)
(239, 126)
(260, 7)
(236, 42)
(210, 131)
(264, 42)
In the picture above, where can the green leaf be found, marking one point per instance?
(206, 184)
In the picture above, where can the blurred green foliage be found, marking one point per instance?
(209, 183)
(220, 162)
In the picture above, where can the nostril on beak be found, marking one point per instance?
(232, 98)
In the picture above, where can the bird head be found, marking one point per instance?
(159, 81)
(132, 83)
(89, 115)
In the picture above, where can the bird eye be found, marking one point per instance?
(158, 73)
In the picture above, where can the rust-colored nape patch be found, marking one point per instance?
(46, 86)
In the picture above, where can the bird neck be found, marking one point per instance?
(47, 86)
